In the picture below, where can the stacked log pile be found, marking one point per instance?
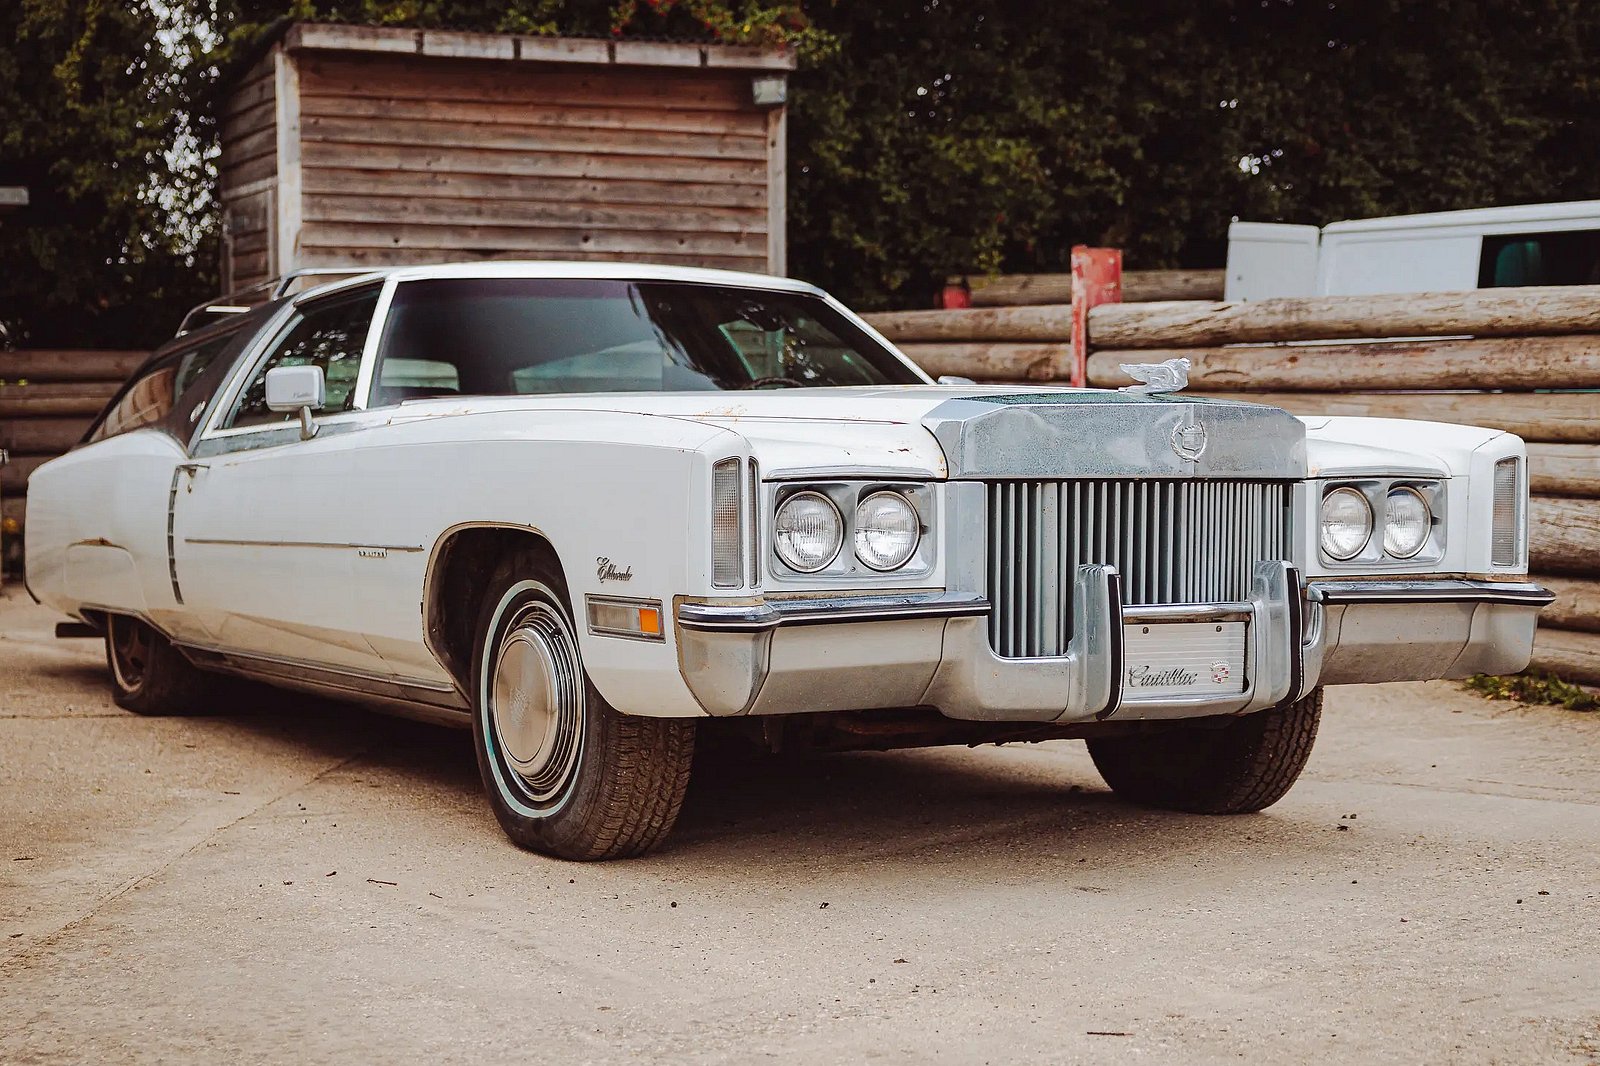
(1512, 359)
(47, 400)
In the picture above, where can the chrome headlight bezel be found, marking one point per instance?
(1340, 493)
(1404, 492)
(859, 530)
(847, 569)
(839, 532)
(1376, 492)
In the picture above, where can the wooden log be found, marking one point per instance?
(1569, 362)
(1011, 290)
(49, 365)
(1565, 417)
(41, 436)
(1577, 604)
(993, 362)
(1564, 536)
(76, 398)
(12, 510)
(1051, 322)
(1564, 469)
(1568, 655)
(1479, 312)
(14, 474)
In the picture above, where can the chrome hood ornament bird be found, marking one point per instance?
(1170, 376)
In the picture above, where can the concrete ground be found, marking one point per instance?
(296, 881)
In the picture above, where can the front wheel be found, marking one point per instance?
(566, 774)
(1246, 764)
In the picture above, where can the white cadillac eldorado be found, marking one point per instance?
(586, 509)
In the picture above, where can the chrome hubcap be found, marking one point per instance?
(536, 701)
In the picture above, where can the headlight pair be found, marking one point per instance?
(1347, 522)
(808, 531)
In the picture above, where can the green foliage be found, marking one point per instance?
(1534, 687)
(90, 103)
(951, 137)
(926, 137)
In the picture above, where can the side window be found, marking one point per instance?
(1565, 257)
(329, 334)
(151, 396)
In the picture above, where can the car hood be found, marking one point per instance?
(960, 431)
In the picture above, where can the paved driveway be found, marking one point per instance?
(295, 881)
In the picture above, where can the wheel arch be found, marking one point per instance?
(460, 566)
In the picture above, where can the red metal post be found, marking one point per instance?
(1096, 279)
(956, 293)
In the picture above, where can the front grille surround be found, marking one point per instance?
(1175, 541)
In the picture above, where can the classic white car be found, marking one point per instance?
(587, 508)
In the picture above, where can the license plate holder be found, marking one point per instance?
(1166, 659)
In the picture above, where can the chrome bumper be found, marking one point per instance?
(932, 649)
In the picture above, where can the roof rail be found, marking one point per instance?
(239, 301)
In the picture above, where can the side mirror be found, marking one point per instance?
(954, 379)
(297, 388)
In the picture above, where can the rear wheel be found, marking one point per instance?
(1244, 765)
(566, 774)
(149, 675)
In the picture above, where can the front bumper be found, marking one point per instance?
(932, 649)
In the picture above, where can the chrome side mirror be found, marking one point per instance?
(954, 379)
(297, 388)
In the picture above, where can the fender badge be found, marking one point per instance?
(1189, 441)
(607, 570)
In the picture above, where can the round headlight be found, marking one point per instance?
(807, 532)
(1406, 522)
(887, 530)
(1346, 523)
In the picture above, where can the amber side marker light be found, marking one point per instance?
(614, 616)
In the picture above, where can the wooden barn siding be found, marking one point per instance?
(407, 161)
(248, 173)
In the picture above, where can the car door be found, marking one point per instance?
(264, 521)
(102, 508)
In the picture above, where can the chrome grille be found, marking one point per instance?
(1173, 542)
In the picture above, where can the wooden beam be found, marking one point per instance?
(1478, 312)
(1577, 603)
(1042, 323)
(1564, 470)
(506, 47)
(43, 365)
(778, 192)
(993, 362)
(283, 251)
(1568, 655)
(33, 401)
(1568, 362)
(1562, 535)
(14, 474)
(41, 436)
(1012, 290)
(1557, 417)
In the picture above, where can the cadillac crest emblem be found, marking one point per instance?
(1189, 441)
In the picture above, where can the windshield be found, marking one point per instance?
(519, 336)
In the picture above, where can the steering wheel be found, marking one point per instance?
(763, 382)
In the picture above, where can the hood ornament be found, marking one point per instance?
(1170, 376)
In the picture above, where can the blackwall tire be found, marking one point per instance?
(1245, 765)
(565, 774)
(148, 675)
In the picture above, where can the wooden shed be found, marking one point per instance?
(359, 146)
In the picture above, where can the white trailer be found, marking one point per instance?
(1531, 244)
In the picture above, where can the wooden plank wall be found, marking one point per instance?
(248, 176)
(414, 160)
(47, 400)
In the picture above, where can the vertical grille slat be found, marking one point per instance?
(1174, 542)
